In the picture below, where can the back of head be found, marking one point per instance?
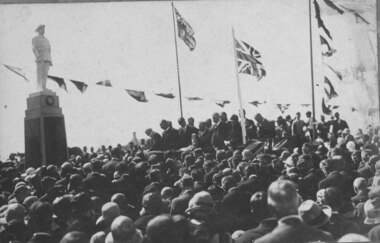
(160, 229)
(283, 198)
(75, 237)
(123, 230)
(41, 215)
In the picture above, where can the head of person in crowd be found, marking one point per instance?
(110, 211)
(190, 121)
(332, 197)
(259, 205)
(201, 206)
(283, 198)
(182, 122)
(216, 117)
(259, 118)
(314, 215)
(223, 116)
(41, 217)
(151, 204)
(123, 230)
(161, 229)
(327, 166)
(164, 124)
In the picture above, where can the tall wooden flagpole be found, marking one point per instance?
(176, 54)
(312, 71)
(242, 120)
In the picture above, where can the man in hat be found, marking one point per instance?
(283, 201)
(41, 50)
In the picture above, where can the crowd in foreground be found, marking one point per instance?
(202, 185)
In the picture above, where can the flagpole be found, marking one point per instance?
(312, 72)
(242, 121)
(176, 55)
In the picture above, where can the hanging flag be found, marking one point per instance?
(359, 19)
(329, 50)
(106, 83)
(17, 71)
(256, 103)
(165, 95)
(319, 19)
(80, 85)
(283, 107)
(353, 109)
(185, 31)
(137, 95)
(338, 74)
(333, 6)
(221, 103)
(193, 98)
(326, 110)
(60, 81)
(247, 58)
(331, 93)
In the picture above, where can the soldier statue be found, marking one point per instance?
(41, 50)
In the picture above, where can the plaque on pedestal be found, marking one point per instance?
(45, 133)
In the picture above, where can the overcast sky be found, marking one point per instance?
(132, 44)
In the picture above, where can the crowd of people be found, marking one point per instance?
(203, 185)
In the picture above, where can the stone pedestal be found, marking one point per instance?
(45, 133)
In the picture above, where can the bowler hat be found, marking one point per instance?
(313, 215)
(39, 27)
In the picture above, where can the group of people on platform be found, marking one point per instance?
(213, 191)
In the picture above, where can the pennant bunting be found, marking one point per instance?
(338, 74)
(359, 19)
(305, 105)
(326, 110)
(106, 83)
(331, 93)
(330, 51)
(333, 6)
(247, 58)
(222, 103)
(256, 103)
(283, 107)
(17, 71)
(80, 85)
(321, 24)
(185, 31)
(60, 81)
(353, 109)
(193, 98)
(165, 95)
(137, 95)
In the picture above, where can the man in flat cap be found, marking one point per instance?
(41, 50)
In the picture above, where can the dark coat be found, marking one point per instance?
(309, 184)
(265, 226)
(97, 184)
(339, 180)
(170, 139)
(291, 229)
(181, 203)
(219, 134)
(340, 226)
(185, 135)
(156, 141)
(339, 125)
(204, 139)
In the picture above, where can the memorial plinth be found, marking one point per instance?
(45, 133)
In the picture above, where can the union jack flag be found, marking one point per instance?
(247, 58)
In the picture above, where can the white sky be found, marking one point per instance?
(132, 44)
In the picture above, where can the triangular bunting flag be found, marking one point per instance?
(193, 98)
(283, 107)
(329, 50)
(80, 85)
(185, 31)
(338, 74)
(359, 19)
(319, 19)
(106, 83)
(137, 95)
(221, 103)
(17, 71)
(332, 93)
(256, 103)
(333, 6)
(165, 95)
(326, 110)
(60, 81)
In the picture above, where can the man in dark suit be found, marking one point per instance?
(283, 200)
(185, 132)
(156, 140)
(266, 128)
(204, 137)
(235, 132)
(338, 124)
(96, 183)
(219, 131)
(170, 137)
